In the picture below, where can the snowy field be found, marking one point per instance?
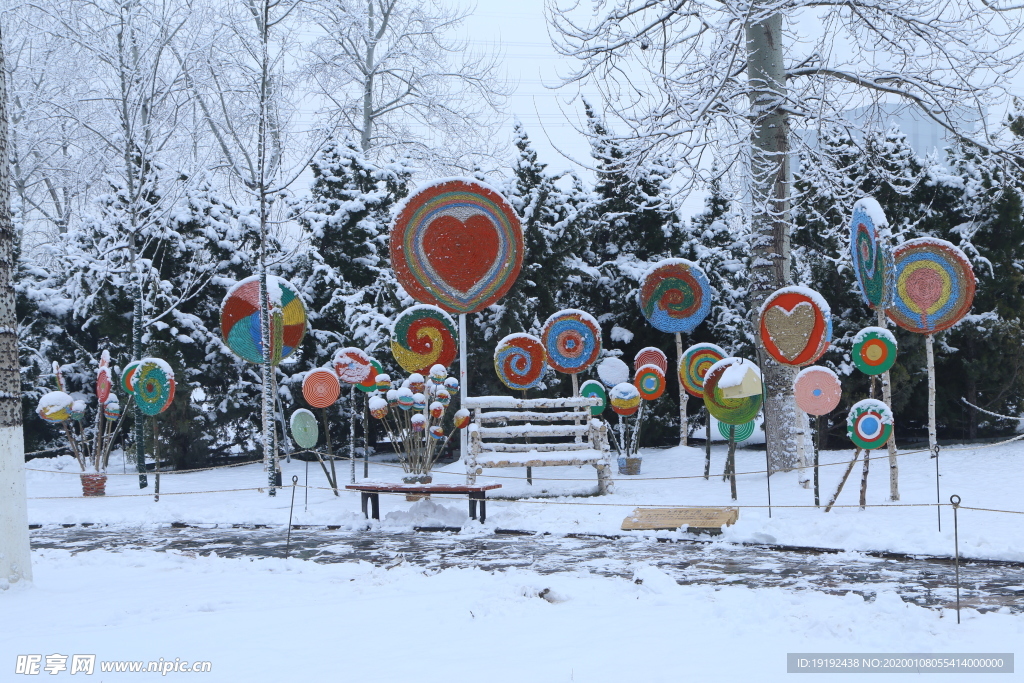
(279, 619)
(989, 478)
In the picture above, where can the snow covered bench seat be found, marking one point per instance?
(540, 432)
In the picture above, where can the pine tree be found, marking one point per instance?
(343, 274)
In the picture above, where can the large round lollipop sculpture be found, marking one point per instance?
(675, 297)
(240, 319)
(572, 342)
(457, 244)
(934, 291)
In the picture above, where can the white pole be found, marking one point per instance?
(683, 396)
(894, 472)
(463, 383)
(933, 442)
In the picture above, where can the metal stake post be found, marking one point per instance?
(955, 500)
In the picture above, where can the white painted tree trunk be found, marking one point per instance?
(803, 434)
(894, 471)
(683, 396)
(770, 216)
(15, 555)
(15, 558)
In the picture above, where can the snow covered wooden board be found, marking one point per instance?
(535, 459)
(670, 519)
(506, 415)
(511, 403)
(517, 431)
(500, 447)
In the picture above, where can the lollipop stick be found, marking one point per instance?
(894, 473)
(463, 383)
(332, 478)
(732, 460)
(846, 475)
(683, 396)
(707, 444)
(933, 443)
(814, 445)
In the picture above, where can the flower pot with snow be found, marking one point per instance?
(94, 484)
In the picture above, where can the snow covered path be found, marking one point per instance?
(925, 582)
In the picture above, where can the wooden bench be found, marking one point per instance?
(371, 493)
(510, 432)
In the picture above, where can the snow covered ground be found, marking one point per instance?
(277, 619)
(294, 620)
(989, 478)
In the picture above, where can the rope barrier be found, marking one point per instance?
(443, 496)
(535, 478)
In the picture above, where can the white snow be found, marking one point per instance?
(817, 299)
(358, 622)
(872, 404)
(54, 401)
(142, 605)
(613, 371)
(874, 211)
(160, 363)
(620, 334)
(880, 331)
(816, 368)
(735, 371)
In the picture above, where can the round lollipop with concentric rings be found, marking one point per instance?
(650, 382)
(675, 295)
(594, 389)
(871, 260)
(458, 244)
(423, 336)
(305, 430)
(742, 433)
(572, 341)
(651, 355)
(127, 375)
(55, 406)
(625, 399)
(240, 319)
(934, 285)
(734, 411)
(817, 390)
(320, 388)
(694, 365)
(519, 360)
(874, 350)
(154, 386)
(869, 424)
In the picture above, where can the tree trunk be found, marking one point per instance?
(770, 219)
(894, 471)
(15, 557)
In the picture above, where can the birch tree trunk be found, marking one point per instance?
(770, 218)
(894, 471)
(15, 556)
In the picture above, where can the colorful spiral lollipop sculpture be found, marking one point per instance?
(423, 336)
(519, 360)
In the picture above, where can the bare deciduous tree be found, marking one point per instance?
(391, 71)
(725, 79)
